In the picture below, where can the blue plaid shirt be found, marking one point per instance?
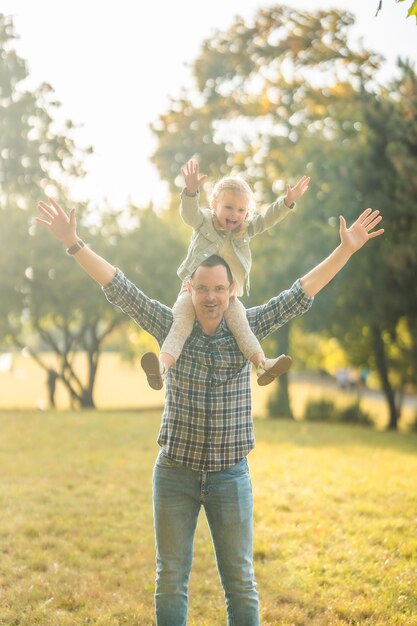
(207, 421)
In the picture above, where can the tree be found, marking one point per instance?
(374, 300)
(35, 159)
(392, 150)
(45, 301)
(31, 152)
(70, 314)
(285, 95)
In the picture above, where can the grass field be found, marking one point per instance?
(335, 524)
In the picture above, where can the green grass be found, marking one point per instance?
(335, 524)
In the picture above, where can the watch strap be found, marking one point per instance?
(76, 247)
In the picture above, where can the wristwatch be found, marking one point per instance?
(76, 247)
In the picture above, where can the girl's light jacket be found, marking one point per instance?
(206, 240)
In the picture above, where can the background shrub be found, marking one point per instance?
(324, 410)
(353, 414)
(320, 410)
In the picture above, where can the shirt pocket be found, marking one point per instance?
(208, 234)
(204, 253)
(226, 362)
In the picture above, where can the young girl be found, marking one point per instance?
(225, 229)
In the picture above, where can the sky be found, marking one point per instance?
(114, 65)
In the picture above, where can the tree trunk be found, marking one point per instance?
(279, 404)
(92, 345)
(87, 401)
(382, 367)
(88, 340)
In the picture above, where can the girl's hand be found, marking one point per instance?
(62, 226)
(192, 178)
(359, 233)
(295, 193)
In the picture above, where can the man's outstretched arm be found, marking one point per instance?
(352, 239)
(149, 314)
(64, 228)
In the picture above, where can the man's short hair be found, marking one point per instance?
(213, 261)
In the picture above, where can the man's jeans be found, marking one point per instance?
(178, 494)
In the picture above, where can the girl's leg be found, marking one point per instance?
(235, 316)
(267, 369)
(182, 325)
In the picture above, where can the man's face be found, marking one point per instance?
(210, 292)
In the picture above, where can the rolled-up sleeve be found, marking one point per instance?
(154, 317)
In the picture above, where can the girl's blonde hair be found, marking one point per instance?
(238, 185)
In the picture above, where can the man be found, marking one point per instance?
(207, 429)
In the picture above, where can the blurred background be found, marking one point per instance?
(100, 106)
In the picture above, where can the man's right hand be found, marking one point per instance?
(62, 226)
(192, 178)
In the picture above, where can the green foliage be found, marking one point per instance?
(42, 295)
(150, 252)
(71, 313)
(46, 302)
(32, 153)
(376, 294)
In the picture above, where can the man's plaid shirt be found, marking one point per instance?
(207, 422)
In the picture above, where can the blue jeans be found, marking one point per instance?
(178, 493)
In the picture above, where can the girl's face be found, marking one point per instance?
(231, 209)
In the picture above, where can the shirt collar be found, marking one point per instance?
(221, 329)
